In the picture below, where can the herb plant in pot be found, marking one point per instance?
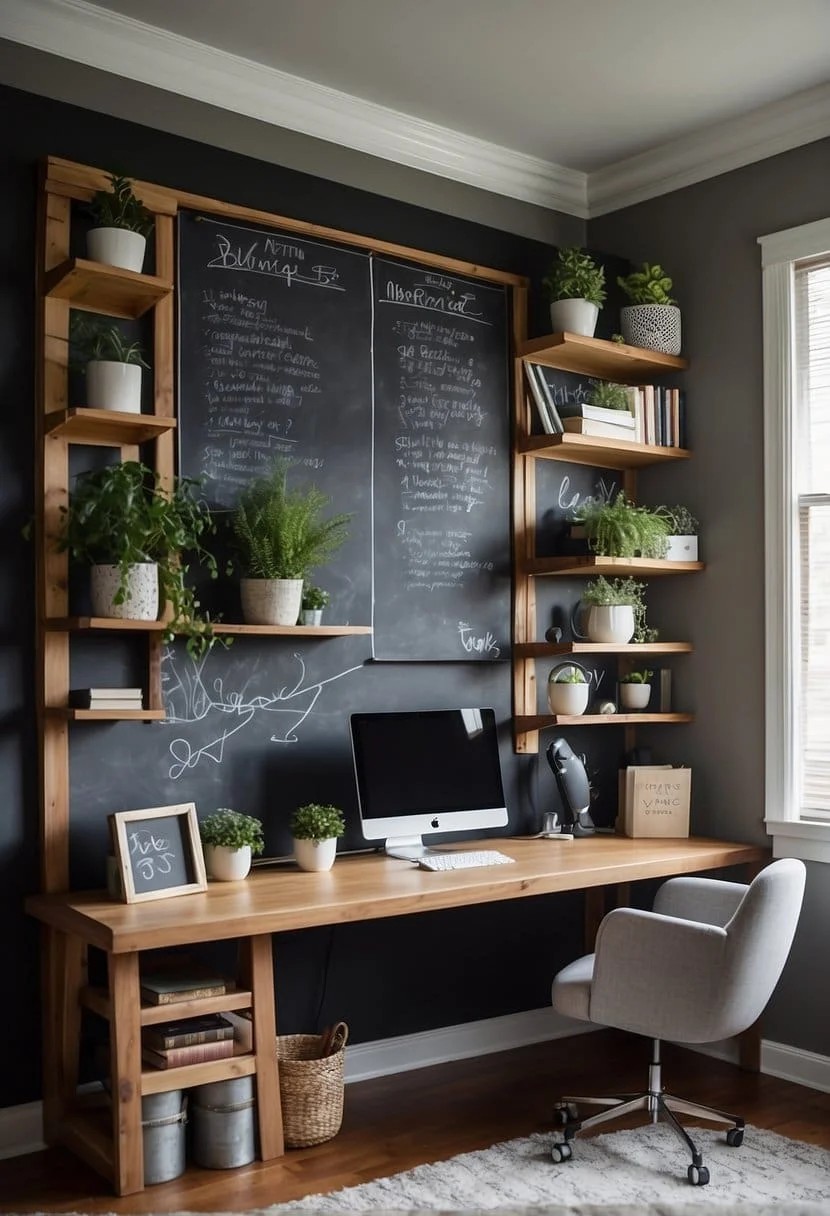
(121, 226)
(682, 533)
(652, 320)
(315, 829)
(635, 689)
(131, 532)
(111, 363)
(616, 611)
(568, 689)
(280, 534)
(576, 290)
(230, 839)
(313, 602)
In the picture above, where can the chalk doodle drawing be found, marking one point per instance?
(192, 701)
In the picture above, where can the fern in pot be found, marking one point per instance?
(121, 226)
(112, 365)
(621, 528)
(315, 830)
(280, 534)
(652, 319)
(576, 290)
(231, 840)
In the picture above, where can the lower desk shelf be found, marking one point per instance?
(162, 1080)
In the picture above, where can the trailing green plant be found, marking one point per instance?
(121, 515)
(232, 830)
(621, 528)
(651, 285)
(95, 339)
(314, 597)
(636, 677)
(575, 276)
(679, 520)
(279, 533)
(317, 821)
(609, 396)
(602, 593)
(119, 207)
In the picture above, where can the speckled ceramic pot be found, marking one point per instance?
(141, 601)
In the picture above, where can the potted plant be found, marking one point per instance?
(112, 365)
(131, 531)
(621, 528)
(576, 290)
(616, 611)
(280, 534)
(121, 226)
(231, 839)
(314, 601)
(568, 689)
(635, 689)
(652, 320)
(609, 396)
(682, 533)
(315, 829)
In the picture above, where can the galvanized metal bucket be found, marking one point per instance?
(163, 1124)
(224, 1127)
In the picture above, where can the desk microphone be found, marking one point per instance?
(574, 788)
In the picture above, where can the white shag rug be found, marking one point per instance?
(641, 1172)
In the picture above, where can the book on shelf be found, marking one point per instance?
(211, 1028)
(603, 430)
(167, 987)
(197, 1053)
(598, 413)
(545, 408)
(102, 698)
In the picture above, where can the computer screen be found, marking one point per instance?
(425, 771)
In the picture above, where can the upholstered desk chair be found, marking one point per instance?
(698, 968)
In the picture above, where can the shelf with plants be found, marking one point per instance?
(598, 357)
(106, 428)
(598, 453)
(612, 567)
(115, 292)
(541, 650)
(106, 624)
(536, 722)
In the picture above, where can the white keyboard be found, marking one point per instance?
(463, 861)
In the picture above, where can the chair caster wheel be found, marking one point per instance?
(735, 1137)
(565, 1112)
(561, 1152)
(698, 1175)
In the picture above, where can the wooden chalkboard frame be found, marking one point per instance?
(190, 834)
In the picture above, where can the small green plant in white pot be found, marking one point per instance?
(313, 602)
(230, 840)
(121, 226)
(568, 690)
(652, 319)
(635, 689)
(682, 533)
(315, 829)
(616, 611)
(112, 365)
(576, 290)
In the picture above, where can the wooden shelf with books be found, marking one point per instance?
(598, 357)
(597, 452)
(96, 287)
(97, 1000)
(105, 715)
(540, 650)
(162, 1080)
(106, 428)
(611, 567)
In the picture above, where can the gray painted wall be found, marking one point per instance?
(705, 237)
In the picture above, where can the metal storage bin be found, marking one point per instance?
(224, 1124)
(163, 1126)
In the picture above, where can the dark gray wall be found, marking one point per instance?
(705, 237)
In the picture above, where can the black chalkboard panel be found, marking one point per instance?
(275, 360)
(442, 467)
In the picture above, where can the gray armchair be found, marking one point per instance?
(698, 968)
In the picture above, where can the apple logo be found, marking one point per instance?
(434, 823)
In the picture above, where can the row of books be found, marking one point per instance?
(187, 1040)
(106, 698)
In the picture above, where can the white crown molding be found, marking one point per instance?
(112, 43)
(717, 149)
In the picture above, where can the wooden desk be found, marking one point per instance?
(271, 901)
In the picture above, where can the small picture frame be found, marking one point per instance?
(158, 852)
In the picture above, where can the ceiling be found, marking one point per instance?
(565, 93)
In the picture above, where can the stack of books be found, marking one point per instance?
(660, 414)
(580, 418)
(106, 698)
(186, 982)
(190, 1041)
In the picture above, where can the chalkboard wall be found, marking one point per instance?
(262, 727)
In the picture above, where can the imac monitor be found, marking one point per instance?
(425, 771)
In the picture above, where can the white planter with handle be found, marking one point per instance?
(141, 599)
(225, 864)
(113, 386)
(117, 247)
(271, 601)
(315, 854)
(574, 317)
(635, 696)
(610, 623)
(567, 699)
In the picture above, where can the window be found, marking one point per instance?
(796, 286)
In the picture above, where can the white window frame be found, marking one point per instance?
(792, 835)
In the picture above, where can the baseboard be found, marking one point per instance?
(21, 1129)
(777, 1060)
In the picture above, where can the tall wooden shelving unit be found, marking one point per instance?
(603, 360)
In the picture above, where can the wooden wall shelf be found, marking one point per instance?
(106, 715)
(599, 453)
(541, 721)
(97, 1000)
(598, 357)
(104, 624)
(613, 567)
(539, 650)
(94, 287)
(106, 428)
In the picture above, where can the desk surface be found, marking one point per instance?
(369, 887)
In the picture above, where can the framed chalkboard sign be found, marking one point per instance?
(158, 852)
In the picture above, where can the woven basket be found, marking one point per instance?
(311, 1089)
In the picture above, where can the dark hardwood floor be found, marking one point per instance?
(393, 1123)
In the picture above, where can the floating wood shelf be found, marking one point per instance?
(539, 650)
(106, 428)
(97, 1000)
(598, 357)
(599, 453)
(614, 567)
(92, 624)
(94, 287)
(540, 721)
(106, 715)
(162, 1080)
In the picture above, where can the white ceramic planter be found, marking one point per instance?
(113, 386)
(610, 623)
(574, 317)
(634, 696)
(567, 698)
(652, 326)
(141, 601)
(225, 864)
(682, 549)
(311, 616)
(315, 854)
(117, 247)
(271, 601)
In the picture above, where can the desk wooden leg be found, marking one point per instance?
(125, 1050)
(64, 964)
(257, 965)
(594, 912)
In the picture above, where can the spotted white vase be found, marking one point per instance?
(652, 326)
(315, 854)
(117, 247)
(141, 599)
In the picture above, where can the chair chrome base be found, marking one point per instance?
(659, 1105)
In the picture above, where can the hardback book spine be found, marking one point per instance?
(538, 397)
(152, 996)
(553, 411)
(157, 1040)
(197, 1053)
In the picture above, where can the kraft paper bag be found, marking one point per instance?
(657, 801)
